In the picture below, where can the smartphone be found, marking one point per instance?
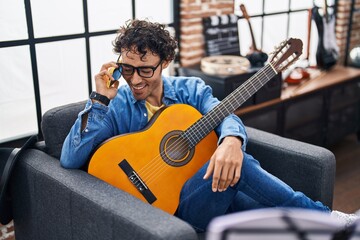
(116, 74)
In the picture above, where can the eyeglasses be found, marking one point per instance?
(143, 71)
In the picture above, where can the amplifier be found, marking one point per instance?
(223, 85)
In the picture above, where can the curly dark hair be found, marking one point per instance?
(143, 36)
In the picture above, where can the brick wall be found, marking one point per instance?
(342, 25)
(192, 46)
(7, 232)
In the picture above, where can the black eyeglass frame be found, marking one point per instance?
(138, 69)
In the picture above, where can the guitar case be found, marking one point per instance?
(8, 159)
(327, 52)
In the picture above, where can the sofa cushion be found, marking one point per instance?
(56, 124)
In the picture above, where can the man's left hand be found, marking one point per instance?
(225, 164)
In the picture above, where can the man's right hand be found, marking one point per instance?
(103, 77)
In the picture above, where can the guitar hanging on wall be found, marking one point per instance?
(177, 141)
(256, 57)
(327, 52)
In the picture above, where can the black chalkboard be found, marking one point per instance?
(221, 35)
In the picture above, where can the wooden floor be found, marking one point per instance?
(347, 182)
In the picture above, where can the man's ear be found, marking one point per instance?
(165, 64)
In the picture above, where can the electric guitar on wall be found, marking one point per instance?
(256, 57)
(177, 141)
(327, 52)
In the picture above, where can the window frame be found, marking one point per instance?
(32, 41)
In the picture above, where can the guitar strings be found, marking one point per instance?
(226, 102)
(180, 145)
(163, 168)
(183, 147)
(224, 110)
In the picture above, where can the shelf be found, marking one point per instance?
(320, 110)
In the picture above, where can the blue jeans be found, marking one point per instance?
(256, 189)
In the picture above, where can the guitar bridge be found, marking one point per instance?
(138, 183)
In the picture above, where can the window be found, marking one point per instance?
(50, 51)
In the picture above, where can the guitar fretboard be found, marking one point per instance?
(228, 105)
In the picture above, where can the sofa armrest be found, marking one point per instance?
(55, 203)
(40, 145)
(305, 167)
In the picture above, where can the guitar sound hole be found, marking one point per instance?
(174, 149)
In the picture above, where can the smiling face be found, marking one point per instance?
(142, 86)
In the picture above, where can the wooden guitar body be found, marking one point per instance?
(157, 155)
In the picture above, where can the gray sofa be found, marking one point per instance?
(50, 202)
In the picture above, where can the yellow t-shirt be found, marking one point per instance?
(151, 109)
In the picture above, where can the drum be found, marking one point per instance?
(224, 65)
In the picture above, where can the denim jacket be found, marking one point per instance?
(125, 114)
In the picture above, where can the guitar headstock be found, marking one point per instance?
(244, 12)
(286, 54)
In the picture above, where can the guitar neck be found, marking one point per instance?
(326, 14)
(252, 36)
(247, 17)
(228, 105)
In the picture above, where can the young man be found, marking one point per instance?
(231, 181)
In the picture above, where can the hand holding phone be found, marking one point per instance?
(116, 74)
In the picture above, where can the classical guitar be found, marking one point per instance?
(154, 163)
(256, 57)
